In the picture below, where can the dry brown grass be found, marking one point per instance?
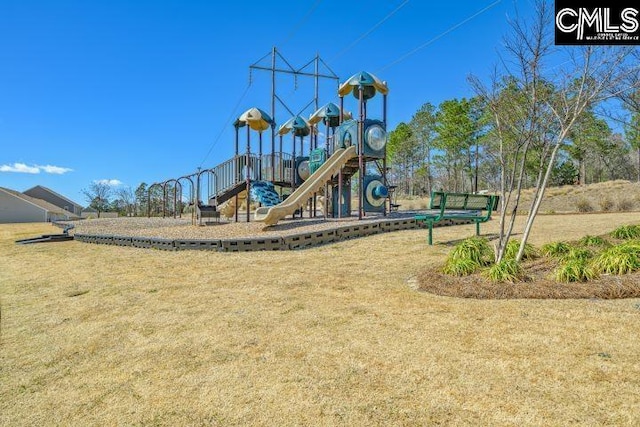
(335, 335)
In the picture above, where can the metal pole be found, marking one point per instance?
(273, 115)
(339, 194)
(316, 78)
(340, 172)
(248, 178)
(260, 156)
(325, 208)
(281, 162)
(175, 195)
(164, 200)
(293, 165)
(384, 158)
(360, 150)
(237, 130)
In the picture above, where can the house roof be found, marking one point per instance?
(38, 202)
(55, 194)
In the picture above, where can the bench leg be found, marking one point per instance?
(477, 228)
(430, 233)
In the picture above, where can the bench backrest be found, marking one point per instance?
(208, 211)
(463, 201)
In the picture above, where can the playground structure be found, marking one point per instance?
(281, 183)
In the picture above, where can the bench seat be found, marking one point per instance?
(461, 206)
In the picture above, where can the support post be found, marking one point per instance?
(361, 151)
(273, 116)
(248, 177)
(384, 159)
(259, 156)
(430, 233)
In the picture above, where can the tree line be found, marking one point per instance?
(544, 117)
(453, 145)
(128, 202)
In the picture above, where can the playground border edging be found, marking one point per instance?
(289, 242)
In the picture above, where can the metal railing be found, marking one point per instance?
(275, 167)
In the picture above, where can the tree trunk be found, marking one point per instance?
(539, 195)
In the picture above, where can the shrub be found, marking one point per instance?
(626, 232)
(624, 205)
(592, 241)
(583, 205)
(606, 204)
(476, 249)
(507, 270)
(467, 256)
(460, 267)
(578, 254)
(512, 250)
(621, 259)
(555, 249)
(575, 270)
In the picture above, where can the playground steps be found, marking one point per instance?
(348, 170)
(228, 194)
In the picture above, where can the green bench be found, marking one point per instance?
(462, 206)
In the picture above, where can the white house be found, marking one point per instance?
(19, 207)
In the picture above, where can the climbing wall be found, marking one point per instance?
(265, 193)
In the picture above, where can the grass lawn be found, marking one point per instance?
(334, 335)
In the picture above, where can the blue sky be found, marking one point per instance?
(143, 91)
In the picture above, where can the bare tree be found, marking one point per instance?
(127, 199)
(98, 195)
(534, 106)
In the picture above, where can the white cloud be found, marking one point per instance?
(54, 169)
(19, 168)
(23, 168)
(109, 182)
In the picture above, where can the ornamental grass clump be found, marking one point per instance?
(555, 249)
(468, 256)
(578, 254)
(620, 259)
(507, 270)
(626, 232)
(530, 252)
(575, 270)
(593, 241)
(460, 267)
